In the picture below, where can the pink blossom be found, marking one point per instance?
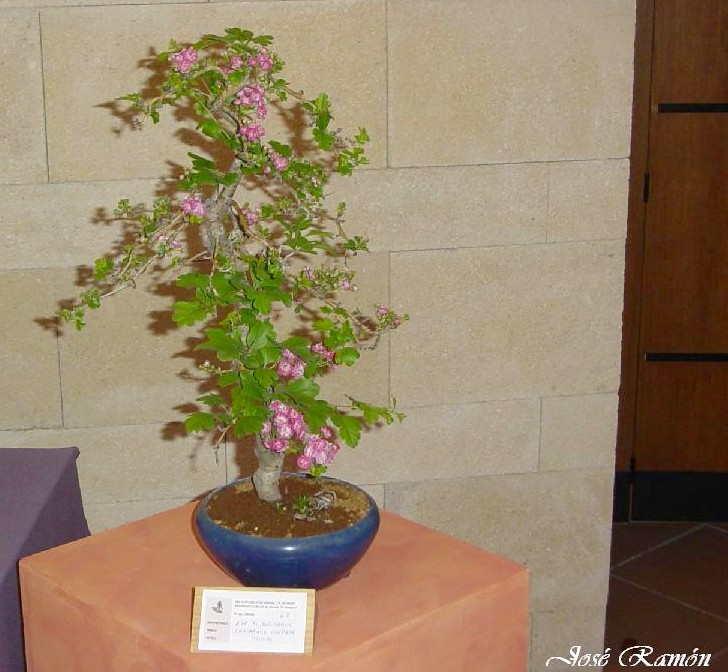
(284, 429)
(290, 366)
(347, 285)
(192, 205)
(262, 61)
(182, 60)
(382, 310)
(298, 426)
(304, 462)
(320, 450)
(252, 132)
(250, 95)
(235, 63)
(251, 216)
(327, 432)
(279, 162)
(322, 351)
(284, 368)
(276, 445)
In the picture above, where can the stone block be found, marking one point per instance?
(556, 523)
(449, 441)
(508, 322)
(578, 432)
(503, 82)
(461, 206)
(23, 138)
(588, 200)
(28, 351)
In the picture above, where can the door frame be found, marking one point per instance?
(634, 256)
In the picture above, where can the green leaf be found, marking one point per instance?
(317, 413)
(324, 139)
(260, 334)
(346, 356)
(204, 176)
(102, 267)
(196, 280)
(324, 325)
(238, 33)
(263, 40)
(91, 299)
(188, 312)
(261, 302)
(212, 400)
(349, 428)
(269, 354)
(248, 424)
(303, 390)
(225, 346)
(229, 378)
(229, 179)
(280, 148)
(200, 421)
(201, 162)
(296, 343)
(266, 377)
(211, 129)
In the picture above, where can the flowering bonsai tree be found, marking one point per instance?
(287, 251)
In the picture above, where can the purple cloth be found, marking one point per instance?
(40, 507)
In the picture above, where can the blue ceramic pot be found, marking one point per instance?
(307, 562)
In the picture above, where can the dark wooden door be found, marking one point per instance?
(681, 408)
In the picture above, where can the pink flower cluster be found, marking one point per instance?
(252, 96)
(319, 449)
(387, 317)
(262, 61)
(279, 162)
(251, 216)
(287, 425)
(235, 64)
(252, 132)
(182, 60)
(192, 205)
(322, 351)
(290, 365)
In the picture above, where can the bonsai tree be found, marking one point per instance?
(286, 250)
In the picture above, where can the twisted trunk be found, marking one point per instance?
(267, 476)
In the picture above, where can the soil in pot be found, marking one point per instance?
(238, 508)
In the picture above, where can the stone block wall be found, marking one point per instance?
(496, 204)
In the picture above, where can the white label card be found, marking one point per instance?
(253, 620)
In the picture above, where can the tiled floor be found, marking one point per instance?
(669, 590)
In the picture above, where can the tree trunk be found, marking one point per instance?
(267, 476)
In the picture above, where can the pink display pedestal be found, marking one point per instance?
(419, 600)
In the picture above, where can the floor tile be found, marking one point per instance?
(631, 539)
(636, 616)
(691, 569)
